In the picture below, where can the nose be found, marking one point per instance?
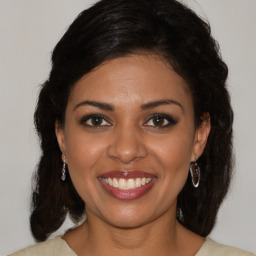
(127, 146)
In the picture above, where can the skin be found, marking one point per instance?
(128, 138)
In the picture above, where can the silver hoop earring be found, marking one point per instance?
(63, 171)
(195, 174)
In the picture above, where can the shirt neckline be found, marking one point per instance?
(200, 252)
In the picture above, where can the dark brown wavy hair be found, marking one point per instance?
(116, 28)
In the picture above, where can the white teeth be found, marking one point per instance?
(115, 183)
(138, 182)
(130, 184)
(122, 184)
(110, 182)
(148, 180)
(127, 184)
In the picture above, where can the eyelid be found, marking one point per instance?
(84, 119)
(171, 120)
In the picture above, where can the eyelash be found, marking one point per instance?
(85, 119)
(166, 118)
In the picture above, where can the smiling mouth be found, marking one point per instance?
(127, 185)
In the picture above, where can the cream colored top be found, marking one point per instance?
(58, 247)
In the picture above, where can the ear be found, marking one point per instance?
(201, 136)
(59, 131)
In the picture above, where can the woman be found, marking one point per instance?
(135, 125)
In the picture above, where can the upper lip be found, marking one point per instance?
(126, 174)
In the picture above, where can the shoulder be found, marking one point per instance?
(52, 247)
(210, 247)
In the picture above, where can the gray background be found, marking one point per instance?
(29, 29)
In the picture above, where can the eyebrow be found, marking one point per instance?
(101, 105)
(109, 107)
(155, 104)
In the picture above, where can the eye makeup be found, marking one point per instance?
(95, 121)
(155, 120)
(160, 121)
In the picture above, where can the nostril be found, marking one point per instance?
(127, 149)
(126, 157)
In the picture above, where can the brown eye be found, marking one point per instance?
(160, 121)
(95, 121)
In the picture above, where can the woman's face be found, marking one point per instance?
(128, 139)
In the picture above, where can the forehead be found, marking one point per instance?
(131, 79)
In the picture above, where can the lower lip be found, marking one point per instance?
(130, 194)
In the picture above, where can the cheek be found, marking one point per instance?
(174, 150)
(81, 169)
(83, 154)
(83, 150)
(173, 154)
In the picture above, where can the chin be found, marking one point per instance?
(130, 222)
(129, 216)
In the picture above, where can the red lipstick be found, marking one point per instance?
(126, 174)
(127, 185)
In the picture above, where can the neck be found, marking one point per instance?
(162, 236)
(150, 237)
